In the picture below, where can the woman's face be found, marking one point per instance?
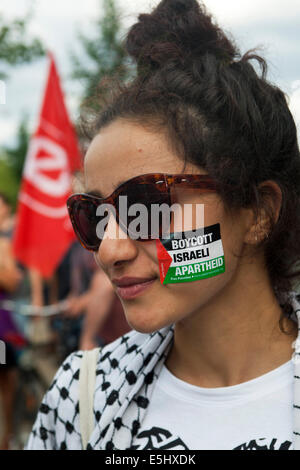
(122, 151)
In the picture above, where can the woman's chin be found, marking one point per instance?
(144, 323)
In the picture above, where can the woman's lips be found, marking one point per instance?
(129, 288)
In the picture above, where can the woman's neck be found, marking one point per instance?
(235, 337)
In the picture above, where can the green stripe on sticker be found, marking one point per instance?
(195, 271)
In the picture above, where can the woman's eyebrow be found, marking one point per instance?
(98, 193)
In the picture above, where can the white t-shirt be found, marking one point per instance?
(256, 414)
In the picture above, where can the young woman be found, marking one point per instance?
(209, 362)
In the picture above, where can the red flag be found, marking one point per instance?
(43, 229)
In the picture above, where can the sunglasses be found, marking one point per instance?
(148, 189)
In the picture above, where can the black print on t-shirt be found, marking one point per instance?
(266, 445)
(159, 438)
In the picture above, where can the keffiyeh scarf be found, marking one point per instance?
(126, 372)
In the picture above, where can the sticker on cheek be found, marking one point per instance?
(186, 258)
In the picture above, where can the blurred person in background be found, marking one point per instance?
(82, 268)
(104, 319)
(10, 277)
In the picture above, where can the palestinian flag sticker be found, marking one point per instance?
(185, 258)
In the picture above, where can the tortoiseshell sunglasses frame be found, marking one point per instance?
(161, 182)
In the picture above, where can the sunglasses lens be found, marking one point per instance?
(84, 214)
(144, 220)
(142, 213)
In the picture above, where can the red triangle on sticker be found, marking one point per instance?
(164, 260)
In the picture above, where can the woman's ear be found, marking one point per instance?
(270, 200)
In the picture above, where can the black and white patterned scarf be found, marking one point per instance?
(127, 370)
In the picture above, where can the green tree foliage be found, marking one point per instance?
(16, 47)
(15, 156)
(104, 55)
(9, 183)
(12, 161)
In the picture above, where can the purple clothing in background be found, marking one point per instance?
(8, 327)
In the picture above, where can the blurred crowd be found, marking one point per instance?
(85, 313)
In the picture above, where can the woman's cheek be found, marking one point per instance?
(149, 251)
(191, 293)
(189, 296)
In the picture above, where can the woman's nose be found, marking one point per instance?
(116, 247)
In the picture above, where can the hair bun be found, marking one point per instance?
(177, 30)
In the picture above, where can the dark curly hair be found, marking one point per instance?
(217, 112)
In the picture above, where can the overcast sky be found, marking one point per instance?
(274, 24)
